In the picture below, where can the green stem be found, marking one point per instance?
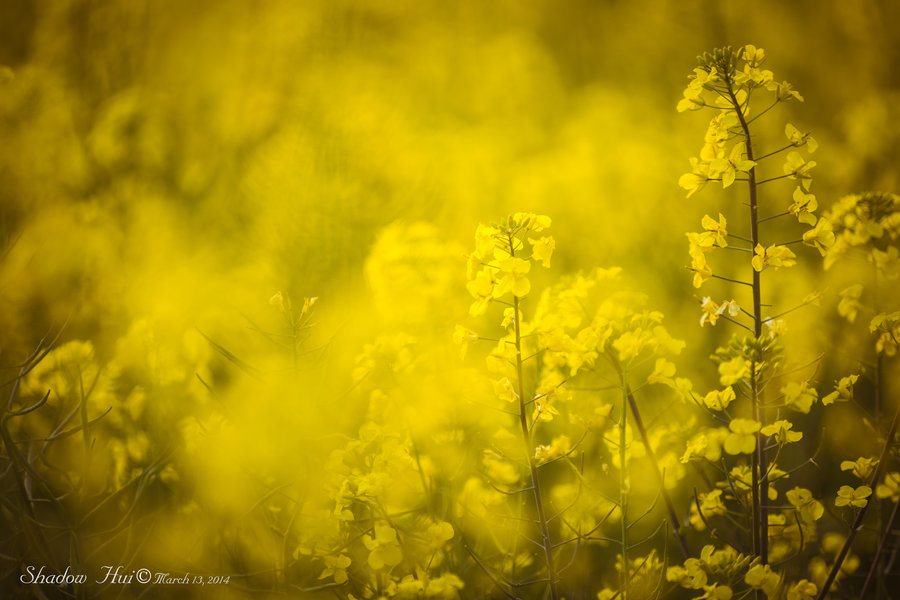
(639, 424)
(623, 492)
(759, 470)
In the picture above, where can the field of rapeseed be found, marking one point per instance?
(437, 300)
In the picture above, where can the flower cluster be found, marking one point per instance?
(500, 264)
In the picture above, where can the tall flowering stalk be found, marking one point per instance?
(733, 83)
(588, 336)
(726, 81)
(498, 271)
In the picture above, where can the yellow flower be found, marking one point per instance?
(485, 240)
(504, 389)
(439, 533)
(802, 590)
(781, 429)
(796, 167)
(862, 467)
(335, 566)
(843, 390)
(776, 256)
(701, 269)
(798, 138)
(775, 327)
(384, 549)
(719, 400)
(463, 336)
(890, 488)
(694, 181)
(558, 447)
(630, 344)
(799, 396)
(761, 577)
(732, 371)
(482, 289)
(718, 229)
(446, 586)
(783, 91)
(663, 372)
(683, 387)
(802, 500)
(820, 237)
(887, 262)
(716, 592)
(753, 55)
(542, 249)
(848, 307)
(804, 205)
(512, 278)
(742, 439)
(277, 301)
(696, 446)
(847, 496)
(727, 168)
(691, 576)
(691, 99)
(712, 312)
(531, 221)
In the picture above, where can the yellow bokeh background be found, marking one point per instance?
(168, 167)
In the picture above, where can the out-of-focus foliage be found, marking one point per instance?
(236, 234)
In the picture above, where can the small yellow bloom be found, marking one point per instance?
(798, 138)
(784, 91)
(887, 262)
(558, 447)
(663, 372)
(336, 566)
(781, 429)
(482, 285)
(732, 371)
(890, 488)
(761, 577)
(485, 240)
(775, 256)
(463, 336)
(775, 327)
(799, 396)
(802, 500)
(694, 181)
(843, 390)
(542, 249)
(719, 400)
(847, 496)
(862, 467)
(848, 307)
(384, 549)
(742, 439)
(803, 590)
(695, 447)
(820, 237)
(804, 206)
(505, 390)
(796, 167)
(277, 301)
(512, 278)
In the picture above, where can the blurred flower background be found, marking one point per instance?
(244, 225)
